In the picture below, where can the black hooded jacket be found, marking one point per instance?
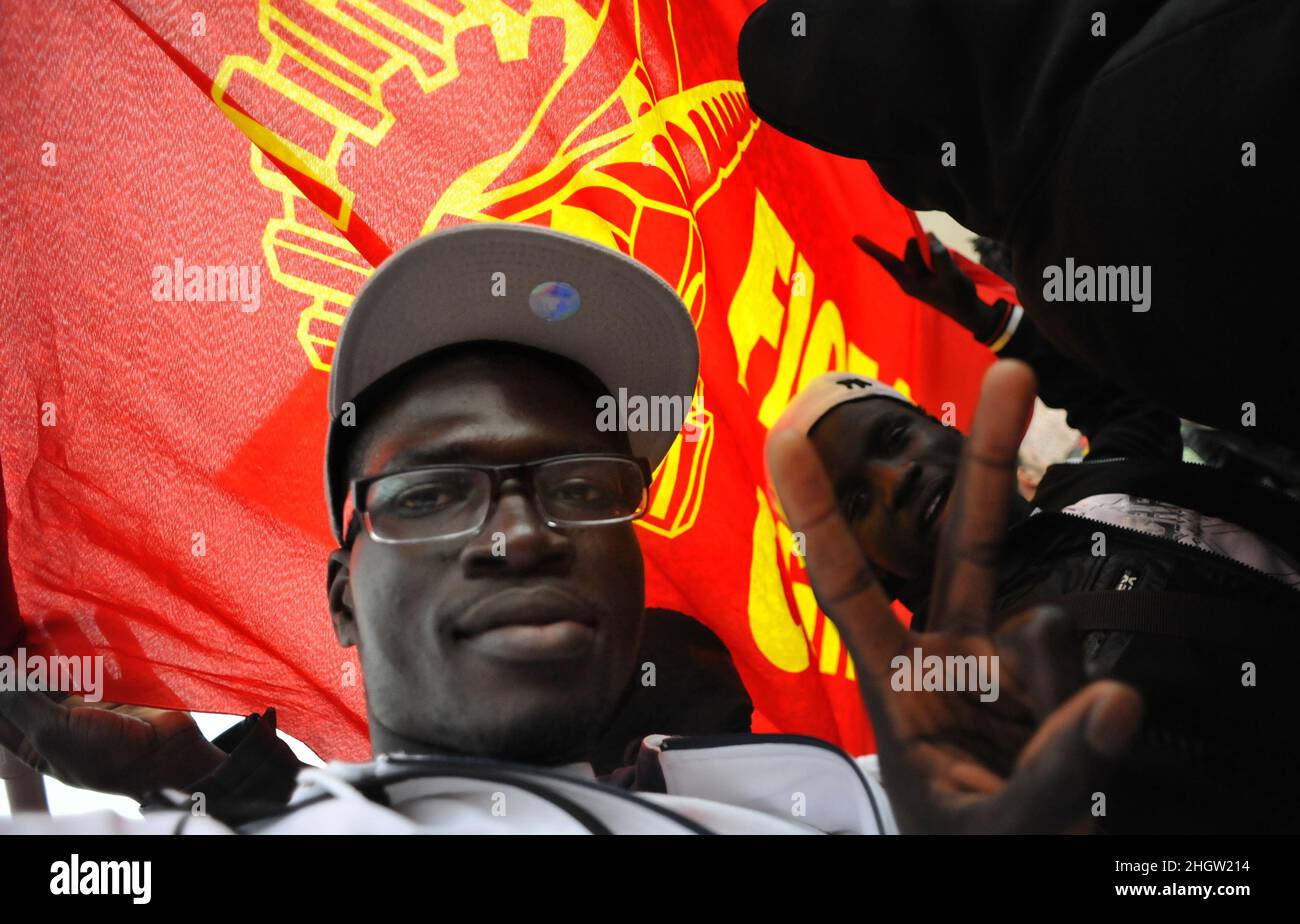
(1194, 631)
(1121, 142)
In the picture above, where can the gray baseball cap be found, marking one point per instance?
(521, 284)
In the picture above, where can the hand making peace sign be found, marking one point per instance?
(1028, 761)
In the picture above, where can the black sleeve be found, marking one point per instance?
(696, 690)
(892, 81)
(258, 774)
(1117, 424)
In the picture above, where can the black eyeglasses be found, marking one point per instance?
(451, 501)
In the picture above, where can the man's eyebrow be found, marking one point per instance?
(418, 456)
(434, 453)
(469, 453)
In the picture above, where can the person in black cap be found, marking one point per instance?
(1115, 145)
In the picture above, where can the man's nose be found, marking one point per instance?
(516, 540)
(896, 482)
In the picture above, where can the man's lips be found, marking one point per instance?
(528, 624)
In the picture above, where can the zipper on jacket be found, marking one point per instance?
(1182, 546)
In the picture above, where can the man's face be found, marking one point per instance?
(892, 469)
(515, 642)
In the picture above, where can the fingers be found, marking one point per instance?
(966, 570)
(1068, 761)
(914, 257)
(33, 714)
(844, 584)
(1041, 649)
(944, 265)
(888, 262)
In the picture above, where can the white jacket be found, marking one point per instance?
(730, 784)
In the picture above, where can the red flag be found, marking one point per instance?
(174, 291)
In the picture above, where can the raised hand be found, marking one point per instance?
(944, 288)
(130, 750)
(1027, 761)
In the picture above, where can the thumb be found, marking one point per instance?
(1067, 761)
(914, 260)
(945, 265)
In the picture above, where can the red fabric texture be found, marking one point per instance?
(162, 454)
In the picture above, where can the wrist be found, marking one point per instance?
(990, 321)
(1006, 328)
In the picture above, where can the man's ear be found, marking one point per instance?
(339, 578)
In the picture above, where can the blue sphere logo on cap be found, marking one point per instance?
(554, 301)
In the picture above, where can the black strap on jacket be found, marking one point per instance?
(1192, 616)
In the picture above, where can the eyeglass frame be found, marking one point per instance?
(498, 474)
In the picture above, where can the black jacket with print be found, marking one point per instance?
(1208, 640)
